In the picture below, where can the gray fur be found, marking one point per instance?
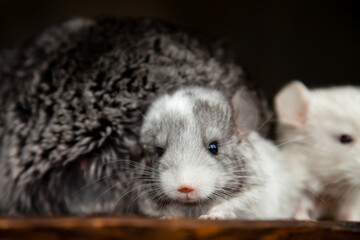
(71, 100)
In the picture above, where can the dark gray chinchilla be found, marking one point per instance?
(71, 104)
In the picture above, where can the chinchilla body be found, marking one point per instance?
(72, 100)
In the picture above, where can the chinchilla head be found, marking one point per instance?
(321, 126)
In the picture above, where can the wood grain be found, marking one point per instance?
(145, 228)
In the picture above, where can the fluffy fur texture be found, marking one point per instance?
(71, 103)
(245, 178)
(319, 131)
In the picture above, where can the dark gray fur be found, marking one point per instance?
(70, 108)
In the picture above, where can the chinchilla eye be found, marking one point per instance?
(213, 148)
(160, 151)
(345, 139)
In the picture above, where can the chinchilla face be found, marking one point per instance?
(333, 129)
(191, 150)
(323, 125)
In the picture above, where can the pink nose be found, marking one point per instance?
(185, 189)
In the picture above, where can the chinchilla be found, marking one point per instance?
(72, 100)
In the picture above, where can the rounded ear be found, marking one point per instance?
(246, 113)
(292, 103)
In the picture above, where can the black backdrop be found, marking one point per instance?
(276, 41)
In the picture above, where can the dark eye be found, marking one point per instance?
(345, 139)
(160, 151)
(213, 148)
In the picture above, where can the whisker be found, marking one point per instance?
(140, 112)
(112, 187)
(127, 191)
(265, 122)
(93, 182)
(296, 139)
(314, 193)
(133, 201)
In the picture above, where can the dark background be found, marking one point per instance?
(276, 41)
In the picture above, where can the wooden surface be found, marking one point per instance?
(141, 228)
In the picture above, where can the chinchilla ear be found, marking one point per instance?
(246, 113)
(292, 103)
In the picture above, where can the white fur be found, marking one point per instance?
(328, 172)
(179, 104)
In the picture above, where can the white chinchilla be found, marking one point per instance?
(319, 131)
(202, 160)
